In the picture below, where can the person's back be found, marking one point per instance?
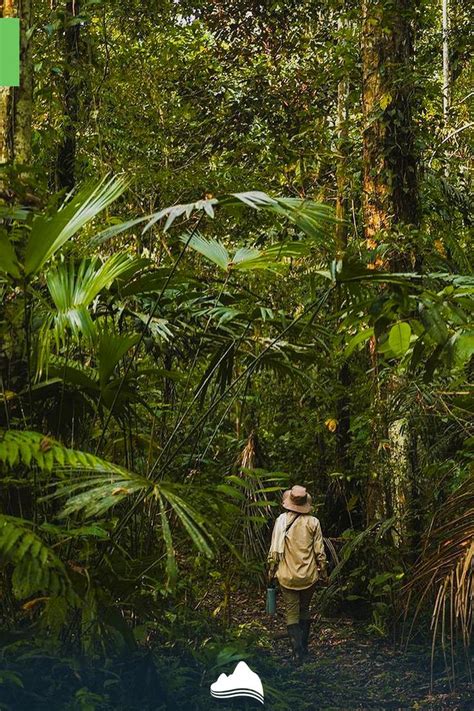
(303, 552)
(297, 551)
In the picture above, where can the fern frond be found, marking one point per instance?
(34, 449)
(36, 568)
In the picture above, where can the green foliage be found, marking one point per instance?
(36, 568)
(202, 349)
(31, 449)
(8, 260)
(72, 293)
(50, 232)
(399, 338)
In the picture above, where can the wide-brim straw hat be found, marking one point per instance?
(297, 499)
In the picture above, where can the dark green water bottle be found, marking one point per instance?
(271, 600)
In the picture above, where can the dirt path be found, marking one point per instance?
(348, 669)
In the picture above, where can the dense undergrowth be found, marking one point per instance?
(235, 255)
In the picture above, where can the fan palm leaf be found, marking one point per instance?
(210, 248)
(95, 494)
(72, 289)
(49, 232)
(247, 258)
(111, 349)
(446, 568)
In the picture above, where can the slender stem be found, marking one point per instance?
(63, 386)
(242, 375)
(196, 396)
(142, 335)
(7, 414)
(27, 326)
(446, 68)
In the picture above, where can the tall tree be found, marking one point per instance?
(66, 156)
(390, 203)
(342, 150)
(16, 102)
(390, 195)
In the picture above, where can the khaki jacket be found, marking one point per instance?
(304, 555)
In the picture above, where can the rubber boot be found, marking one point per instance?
(305, 627)
(294, 633)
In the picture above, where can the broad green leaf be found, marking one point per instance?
(50, 232)
(399, 338)
(8, 259)
(356, 340)
(463, 348)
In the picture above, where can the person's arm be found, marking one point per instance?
(272, 561)
(272, 566)
(320, 555)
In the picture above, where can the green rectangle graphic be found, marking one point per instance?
(9, 51)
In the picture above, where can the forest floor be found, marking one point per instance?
(348, 669)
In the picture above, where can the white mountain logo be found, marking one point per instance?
(242, 682)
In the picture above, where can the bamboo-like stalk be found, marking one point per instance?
(446, 89)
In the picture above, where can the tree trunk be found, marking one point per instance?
(23, 94)
(6, 102)
(16, 102)
(344, 376)
(399, 475)
(341, 166)
(390, 196)
(6, 93)
(375, 499)
(66, 157)
(390, 203)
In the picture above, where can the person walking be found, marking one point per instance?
(297, 559)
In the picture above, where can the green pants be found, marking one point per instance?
(297, 604)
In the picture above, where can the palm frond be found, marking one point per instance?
(445, 571)
(69, 371)
(312, 218)
(92, 495)
(50, 232)
(70, 286)
(247, 258)
(73, 288)
(36, 568)
(209, 248)
(376, 531)
(32, 449)
(110, 350)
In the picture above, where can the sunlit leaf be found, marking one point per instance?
(399, 338)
